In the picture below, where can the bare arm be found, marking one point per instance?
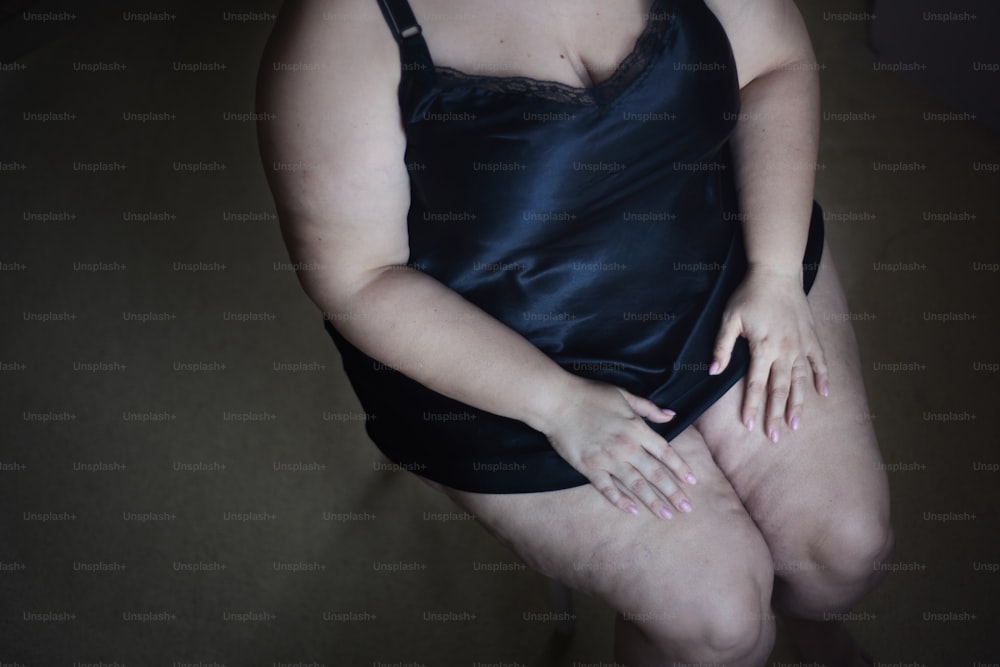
(343, 205)
(776, 139)
(775, 144)
(343, 209)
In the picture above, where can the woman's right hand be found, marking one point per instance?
(598, 429)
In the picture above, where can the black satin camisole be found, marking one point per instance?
(600, 223)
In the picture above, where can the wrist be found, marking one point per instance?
(551, 398)
(777, 269)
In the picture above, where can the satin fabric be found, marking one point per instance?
(601, 224)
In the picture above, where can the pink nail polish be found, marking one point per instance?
(665, 513)
(685, 506)
(632, 509)
(826, 390)
(750, 424)
(669, 413)
(795, 423)
(774, 435)
(691, 479)
(714, 368)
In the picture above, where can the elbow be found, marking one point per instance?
(346, 293)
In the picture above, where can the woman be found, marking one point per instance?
(570, 256)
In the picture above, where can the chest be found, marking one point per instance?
(579, 44)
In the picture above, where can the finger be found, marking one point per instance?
(821, 372)
(756, 387)
(642, 489)
(646, 408)
(777, 399)
(668, 456)
(797, 396)
(606, 485)
(662, 479)
(724, 343)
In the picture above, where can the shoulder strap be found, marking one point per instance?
(416, 59)
(399, 16)
(406, 30)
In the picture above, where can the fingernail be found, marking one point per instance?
(750, 424)
(665, 513)
(795, 423)
(669, 413)
(685, 506)
(690, 478)
(826, 389)
(632, 509)
(774, 435)
(714, 368)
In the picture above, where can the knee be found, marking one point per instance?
(731, 625)
(730, 632)
(852, 552)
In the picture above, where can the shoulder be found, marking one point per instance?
(329, 130)
(327, 92)
(334, 41)
(765, 35)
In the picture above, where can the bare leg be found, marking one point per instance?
(820, 495)
(695, 589)
(698, 588)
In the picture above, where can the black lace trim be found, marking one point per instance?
(647, 47)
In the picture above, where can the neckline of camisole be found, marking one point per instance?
(648, 46)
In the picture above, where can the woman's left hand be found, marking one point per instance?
(770, 310)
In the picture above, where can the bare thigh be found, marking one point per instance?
(683, 568)
(822, 487)
(757, 508)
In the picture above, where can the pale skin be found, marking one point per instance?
(752, 508)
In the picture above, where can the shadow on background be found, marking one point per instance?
(184, 474)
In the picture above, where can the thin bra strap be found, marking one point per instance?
(407, 32)
(400, 18)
